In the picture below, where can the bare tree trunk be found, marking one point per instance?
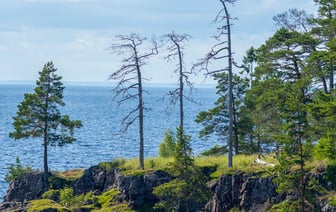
(230, 86)
(181, 89)
(141, 117)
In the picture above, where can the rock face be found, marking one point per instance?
(247, 192)
(28, 187)
(134, 190)
(96, 178)
(242, 191)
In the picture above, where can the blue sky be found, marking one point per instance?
(76, 34)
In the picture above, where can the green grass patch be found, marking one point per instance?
(332, 199)
(44, 204)
(107, 202)
(69, 175)
(113, 164)
(107, 198)
(243, 163)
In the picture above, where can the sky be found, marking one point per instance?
(76, 34)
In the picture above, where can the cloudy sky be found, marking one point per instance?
(76, 34)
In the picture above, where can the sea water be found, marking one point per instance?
(101, 138)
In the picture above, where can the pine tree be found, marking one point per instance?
(188, 191)
(39, 116)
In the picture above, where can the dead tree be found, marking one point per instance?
(220, 51)
(130, 81)
(175, 46)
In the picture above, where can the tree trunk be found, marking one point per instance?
(181, 89)
(141, 119)
(45, 144)
(45, 152)
(230, 86)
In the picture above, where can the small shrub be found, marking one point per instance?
(168, 146)
(66, 196)
(16, 170)
(332, 201)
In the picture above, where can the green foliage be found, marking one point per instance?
(285, 206)
(16, 170)
(323, 120)
(66, 196)
(44, 204)
(330, 175)
(189, 188)
(116, 163)
(215, 150)
(68, 175)
(39, 116)
(168, 145)
(107, 198)
(332, 201)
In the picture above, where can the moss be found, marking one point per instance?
(107, 202)
(332, 200)
(285, 206)
(107, 198)
(44, 204)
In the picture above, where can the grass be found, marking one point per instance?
(107, 202)
(243, 163)
(44, 204)
(69, 175)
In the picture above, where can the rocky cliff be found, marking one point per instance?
(243, 191)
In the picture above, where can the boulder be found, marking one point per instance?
(27, 187)
(95, 178)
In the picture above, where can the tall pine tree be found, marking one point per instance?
(39, 116)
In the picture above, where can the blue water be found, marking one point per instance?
(98, 140)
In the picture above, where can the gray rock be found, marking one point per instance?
(243, 191)
(27, 187)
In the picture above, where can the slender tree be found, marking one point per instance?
(222, 50)
(175, 43)
(130, 80)
(39, 115)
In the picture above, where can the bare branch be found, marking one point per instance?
(129, 77)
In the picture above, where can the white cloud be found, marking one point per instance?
(78, 33)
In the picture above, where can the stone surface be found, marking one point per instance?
(240, 190)
(27, 187)
(247, 192)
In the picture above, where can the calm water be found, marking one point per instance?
(98, 139)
